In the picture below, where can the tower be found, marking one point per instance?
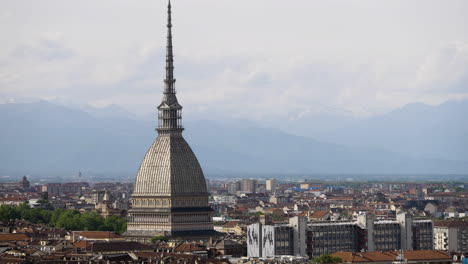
(170, 197)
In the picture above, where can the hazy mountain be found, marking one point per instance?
(415, 130)
(46, 138)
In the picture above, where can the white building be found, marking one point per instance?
(451, 235)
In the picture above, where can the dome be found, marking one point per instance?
(170, 168)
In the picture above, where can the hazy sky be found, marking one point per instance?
(255, 59)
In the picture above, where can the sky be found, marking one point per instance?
(243, 59)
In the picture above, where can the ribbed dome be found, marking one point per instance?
(170, 168)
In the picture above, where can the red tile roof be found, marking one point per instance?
(385, 256)
(13, 237)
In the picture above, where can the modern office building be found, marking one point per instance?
(363, 235)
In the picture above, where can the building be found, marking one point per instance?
(270, 185)
(170, 197)
(328, 237)
(8, 186)
(369, 235)
(362, 235)
(233, 187)
(52, 188)
(313, 185)
(249, 185)
(267, 241)
(451, 236)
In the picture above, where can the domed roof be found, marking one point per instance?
(170, 168)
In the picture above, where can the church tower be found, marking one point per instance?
(170, 197)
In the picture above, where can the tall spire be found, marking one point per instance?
(169, 81)
(170, 111)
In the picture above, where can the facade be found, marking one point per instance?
(267, 241)
(249, 185)
(170, 196)
(369, 235)
(270, 185)
(233, 187)
(362, 235)
(451, 236)
(331, 237)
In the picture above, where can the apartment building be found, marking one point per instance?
(451, 235)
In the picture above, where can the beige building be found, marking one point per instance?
(249, 185)
(270, 185)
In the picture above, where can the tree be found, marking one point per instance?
(159, 238)
(8, 212)
(70, 220)
(116, 223)
(327, 258)
(55, 216)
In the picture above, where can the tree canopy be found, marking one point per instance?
(64, 218)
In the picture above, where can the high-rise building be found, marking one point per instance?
(451, 236)
(233, 187)
(270, 185)
(249, 185)
(170, 197)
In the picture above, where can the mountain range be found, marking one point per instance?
(45, 138)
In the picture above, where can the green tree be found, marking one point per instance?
(70, 220)
(8, 212)
(91, 221)
(116, 223)
(327, 258)
(55, 216)
(159, 238)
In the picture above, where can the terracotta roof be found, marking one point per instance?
(12, 199)
(13, 237)
(82, 244)
(318, 214)
(352, 257)
(187, 247)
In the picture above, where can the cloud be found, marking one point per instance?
(297, 59)
(445, 71)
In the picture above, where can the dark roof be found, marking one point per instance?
(454, 223)
(124, 246)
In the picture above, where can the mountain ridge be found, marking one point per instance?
(47, 138)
